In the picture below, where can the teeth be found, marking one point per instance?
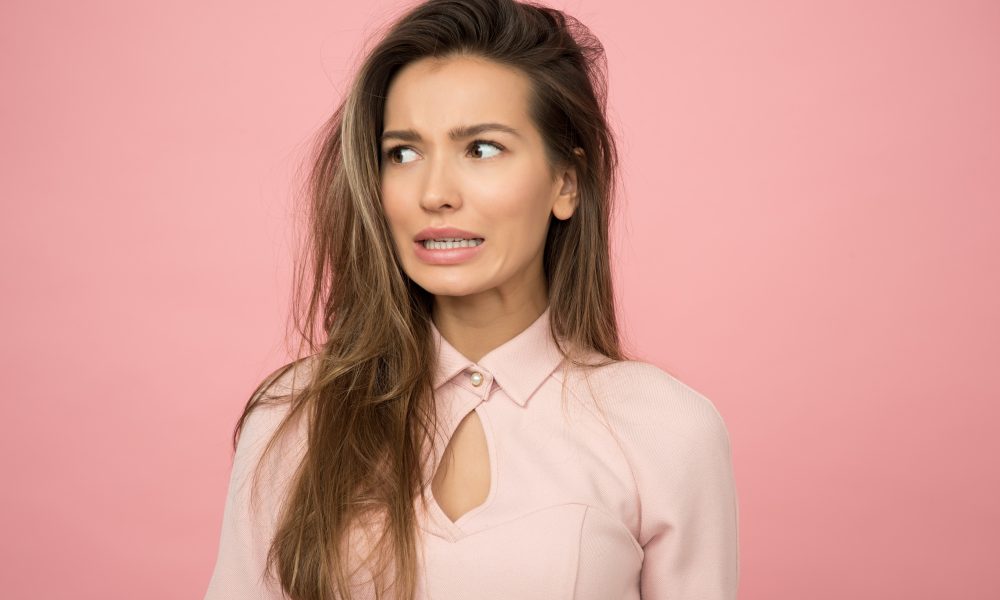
(451, 243)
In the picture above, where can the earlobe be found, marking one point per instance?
(568, 198)
(565, 206)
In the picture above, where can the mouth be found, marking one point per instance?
(446, 233)
(448, 251)
(450, 243)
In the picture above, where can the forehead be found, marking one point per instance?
(435, 94)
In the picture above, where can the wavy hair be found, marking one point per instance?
(366, 346)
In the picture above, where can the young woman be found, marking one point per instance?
(465, 425)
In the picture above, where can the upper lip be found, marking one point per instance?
(445, 232)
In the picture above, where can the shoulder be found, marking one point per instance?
(288, 380)
(270, 406)
(652, 407)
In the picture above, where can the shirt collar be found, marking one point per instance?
(519, 365)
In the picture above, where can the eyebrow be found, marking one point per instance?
(455, 133)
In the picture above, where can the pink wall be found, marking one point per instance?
(809, 238)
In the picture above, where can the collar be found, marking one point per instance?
(519, 365)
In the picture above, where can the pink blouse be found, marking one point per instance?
(637, 503)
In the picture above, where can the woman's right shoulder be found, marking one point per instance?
(287, 380)
(273, 400)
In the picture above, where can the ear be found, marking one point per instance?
(568, 198)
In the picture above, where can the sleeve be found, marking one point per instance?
(689, 513)
(247, 529)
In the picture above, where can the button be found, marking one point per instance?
(476, 377)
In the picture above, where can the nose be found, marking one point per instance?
(440, 188)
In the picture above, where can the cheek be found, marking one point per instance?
(517, 205)
(394, 205)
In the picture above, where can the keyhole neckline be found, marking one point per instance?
(460, 527)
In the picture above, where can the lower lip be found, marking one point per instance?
(448, 256)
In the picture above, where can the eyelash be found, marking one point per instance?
(388, 154)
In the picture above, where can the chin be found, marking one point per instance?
(439, 289)
(448, 285)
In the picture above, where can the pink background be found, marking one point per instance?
(809, 237)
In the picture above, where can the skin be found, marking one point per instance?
(495, 183)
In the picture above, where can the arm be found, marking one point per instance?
(678, 447)
(691, 521)
(247, 530)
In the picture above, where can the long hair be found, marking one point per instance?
(368, 394)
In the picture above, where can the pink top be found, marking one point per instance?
(640, 504)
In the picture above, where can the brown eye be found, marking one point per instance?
(392, 153)
(484, 144)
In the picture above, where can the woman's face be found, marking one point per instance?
(441, 169)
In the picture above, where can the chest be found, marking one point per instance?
(525, 503)
(462, 479)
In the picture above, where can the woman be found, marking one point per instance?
(467, 426)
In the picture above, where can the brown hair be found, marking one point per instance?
(369, 397)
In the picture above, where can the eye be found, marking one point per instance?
(486, 143)
(391, 153)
